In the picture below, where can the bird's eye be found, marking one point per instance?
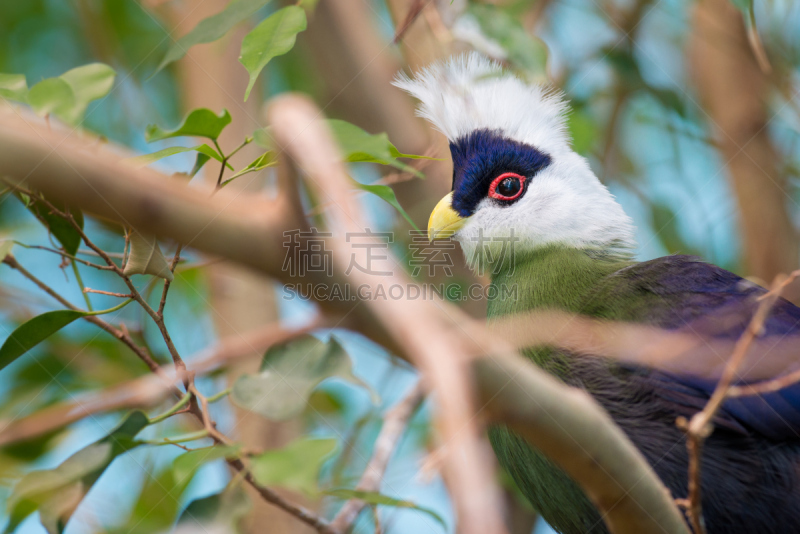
(507, 186)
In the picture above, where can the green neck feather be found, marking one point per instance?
(552, 277)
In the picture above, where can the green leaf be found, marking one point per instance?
(386, 193)
(34, 331)
(373, 497)
(52, 96)
(187, 464)
(212, 28)
(225, 508)
(55, 493)
(61, 229)
(263, 138)
(295, 466)
(523, 49)
(13, 87)
(360, 146)
(159, 500)
(289, 373)
(68, 95)
(200, 122)
(267, 159)
(744, 6)
(274, 36)
(147, 159)
(146, 258)
(201, 160)
(88, 83)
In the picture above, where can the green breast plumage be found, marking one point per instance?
(552, 278)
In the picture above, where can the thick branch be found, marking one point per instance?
(251, 233)
(146, 391)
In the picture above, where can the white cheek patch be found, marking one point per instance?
(564, 205)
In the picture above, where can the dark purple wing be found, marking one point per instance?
(683, 292)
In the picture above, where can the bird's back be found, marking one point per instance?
(750, 464)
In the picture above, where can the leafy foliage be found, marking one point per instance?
(56, 493)
(289, 373)
(145, 257)
(295, 466)
(68, 95)
(34, 331)
(13, 87)
(274, 36)
(200, 122)
(212, 28)
(359, 146)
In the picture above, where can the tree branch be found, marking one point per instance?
(611, 471)
(394, 425)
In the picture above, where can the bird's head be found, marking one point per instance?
(516, 179)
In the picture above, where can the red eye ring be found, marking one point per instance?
(493, 187)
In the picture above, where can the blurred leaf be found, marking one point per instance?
(200, 122)
(199, 163)
(583, 130)
(34, 331)
(669, 99)
(147, 159)
(159, 500)
(31, 449)
(263, 138)
(5, 248)
(274, 36)
(326, 403)
(523, 49)
(52, 96)
(145, 257)
(743, 5)
(373, 497)
(55, 493)
(68, 95)
(625, 65)
(224, 508)
(88, 83)
(267, 159)
(212, 28)
(13, 87)
(665, 225)
(360, 146)
(295, 466)
(386, 193)
(289, 373)
(188, 463)
(61, 229)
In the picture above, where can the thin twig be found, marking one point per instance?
(65, 255)
(394, 425)
(109, 293)
(118, 333)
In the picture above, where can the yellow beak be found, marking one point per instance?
(444, 221)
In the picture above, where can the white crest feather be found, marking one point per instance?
(565, 204)
(471, 92)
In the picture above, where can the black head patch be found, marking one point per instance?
(482, 155)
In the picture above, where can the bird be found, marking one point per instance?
(517, 180)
